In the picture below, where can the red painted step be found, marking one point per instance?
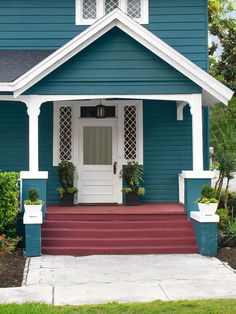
(122, 233)
(170, 249)
(149, 229)
(116, 224)
(113, 242)
(114, 217)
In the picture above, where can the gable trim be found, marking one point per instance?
(213, 90)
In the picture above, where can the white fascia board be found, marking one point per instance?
(117, 18)
(6, 87)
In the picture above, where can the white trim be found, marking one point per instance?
(196, 215)
(181, 189)
(100, 11)
(197, 132)
(47, 98)
(213, 90)
(33, 110)
(33, 175)
(119, 104)
(197, 175)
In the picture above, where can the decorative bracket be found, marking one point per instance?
(180, 109)
(33, 108)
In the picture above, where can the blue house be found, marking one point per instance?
(146, 61)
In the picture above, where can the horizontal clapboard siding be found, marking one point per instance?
(14, 142)
(33, 24)
(115, 64)
(13, 136)
(46, 151)
(167, 150)
(167, 146)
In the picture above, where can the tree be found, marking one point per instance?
(222, 25)
(223, 139)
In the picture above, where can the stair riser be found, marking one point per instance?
(116, 242)
(116, 224)
(93, 251)
(69, 234)
(117, 217)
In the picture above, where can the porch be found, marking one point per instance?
(106, 229)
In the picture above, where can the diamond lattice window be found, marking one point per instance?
(130, 133)
(65, 143)
(111, 5)
(89, 9)
(134, 8)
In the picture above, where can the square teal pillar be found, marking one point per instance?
(32, 240)
(205, 229)
(36, 181)
(192, 188)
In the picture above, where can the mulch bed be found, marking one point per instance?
(228, 254)
(11, 269)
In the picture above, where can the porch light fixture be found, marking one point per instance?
(100, 111)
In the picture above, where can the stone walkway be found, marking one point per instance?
(64, 280)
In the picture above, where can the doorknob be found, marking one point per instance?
(115, 167)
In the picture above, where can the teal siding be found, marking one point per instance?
(46, 151)
(167, 146)
(33, 24)
(14, 136)
(115, 64)
(167, 150)
(14, 142)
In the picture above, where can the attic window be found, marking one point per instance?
(88, 11)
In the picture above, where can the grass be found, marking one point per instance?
(1, 268)
(221, 306)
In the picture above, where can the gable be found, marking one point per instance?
(115, 64)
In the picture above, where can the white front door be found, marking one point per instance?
(98, 178)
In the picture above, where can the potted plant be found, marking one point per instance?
(132, 173)
(66, 171)
(33, 204)
(207, 203)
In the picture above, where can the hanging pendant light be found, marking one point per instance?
(100, 111)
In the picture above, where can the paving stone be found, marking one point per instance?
(198, 289)
(27, 294)
(103, 293)
(126, 278)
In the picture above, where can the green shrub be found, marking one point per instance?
(132, 174)
(224, 218)
(9, 204)
(232, 229)
(33, 196)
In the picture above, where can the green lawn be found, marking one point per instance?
(227, 306)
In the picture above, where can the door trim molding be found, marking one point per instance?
(119, 104)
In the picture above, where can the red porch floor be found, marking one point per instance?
(106, 229)
(147, 209)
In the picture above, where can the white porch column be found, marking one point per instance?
(33, 110)
(197, 134)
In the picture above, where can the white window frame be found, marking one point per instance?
(79, 20)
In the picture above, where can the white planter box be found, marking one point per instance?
(33, 209)
(207, 209)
